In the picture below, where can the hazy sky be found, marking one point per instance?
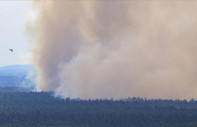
(13, 15)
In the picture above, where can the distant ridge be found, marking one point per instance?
(15, 69)
(16, 76)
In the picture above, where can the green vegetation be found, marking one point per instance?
(41, 109)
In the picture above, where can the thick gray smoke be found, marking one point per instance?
(103, 49)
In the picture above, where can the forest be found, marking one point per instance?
(43, 109)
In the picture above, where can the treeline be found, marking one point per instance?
(41, 109)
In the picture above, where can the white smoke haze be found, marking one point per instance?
(104, 49)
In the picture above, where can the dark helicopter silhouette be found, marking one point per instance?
(11, 50)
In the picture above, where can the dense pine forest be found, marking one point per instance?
(42, 109)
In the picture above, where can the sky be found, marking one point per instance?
(13, 17)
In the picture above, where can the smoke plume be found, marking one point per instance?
(103, 49)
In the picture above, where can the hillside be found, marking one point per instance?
(41, 109)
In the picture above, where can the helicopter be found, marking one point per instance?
(11, 50)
